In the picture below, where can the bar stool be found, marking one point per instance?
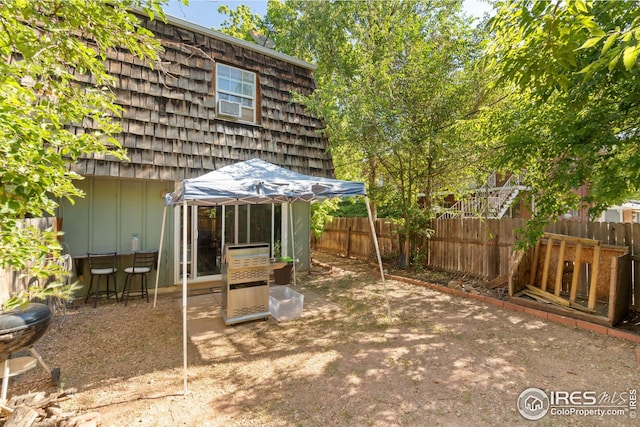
(143, 263)
(102, 265)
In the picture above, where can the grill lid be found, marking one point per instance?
(20, 318)
(21, 328)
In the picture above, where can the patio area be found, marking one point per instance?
(444, 360)
(205, 325)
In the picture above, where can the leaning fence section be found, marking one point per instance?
(483, 248)
(610, 233)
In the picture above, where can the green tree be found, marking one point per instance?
(45, 46)
(393, 80)
(571, 116)
(241, 23)
(430, 154)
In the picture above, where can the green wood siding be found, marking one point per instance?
(302, 233)
(105, 219)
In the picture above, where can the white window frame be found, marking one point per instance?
(248, 101)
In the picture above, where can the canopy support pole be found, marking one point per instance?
(184, 293)
(164, 218)
(375, 243)
(293, 243)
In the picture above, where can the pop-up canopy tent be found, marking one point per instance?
(256, 182)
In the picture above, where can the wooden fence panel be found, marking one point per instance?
(468, 244)
(635, 263)
(351, 237)
(12, 281)
(481, 258)
(471, 246)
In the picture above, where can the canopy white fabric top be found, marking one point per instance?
(256, 181)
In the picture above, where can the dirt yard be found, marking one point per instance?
(442, 361)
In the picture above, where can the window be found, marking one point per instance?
(209, 229)
(236, 93)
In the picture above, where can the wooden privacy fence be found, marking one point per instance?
(351, 237)
(476, 247)
(12, 281)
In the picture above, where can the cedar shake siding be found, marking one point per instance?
(170, 126)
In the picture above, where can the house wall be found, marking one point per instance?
(170, 126)
(302, 234)
(619, 214)
(521, 207)
(105, 219)
(171, 131)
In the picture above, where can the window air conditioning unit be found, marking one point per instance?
(230, 109)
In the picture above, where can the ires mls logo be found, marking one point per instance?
(533, 404)
(565, 398)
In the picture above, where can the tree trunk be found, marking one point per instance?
(372, 184)
(407, 243)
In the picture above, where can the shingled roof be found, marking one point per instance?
(170, 128)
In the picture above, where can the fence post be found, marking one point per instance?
(493, 255)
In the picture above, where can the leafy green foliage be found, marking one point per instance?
(45, 46)
(570, 115)
(241, 22)
(321, 214)
(37, 292)
(353, 207)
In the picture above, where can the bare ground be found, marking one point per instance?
(443, 361)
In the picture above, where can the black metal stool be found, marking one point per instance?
(143, 263)
(102, 265)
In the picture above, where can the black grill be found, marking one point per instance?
(21, 328)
